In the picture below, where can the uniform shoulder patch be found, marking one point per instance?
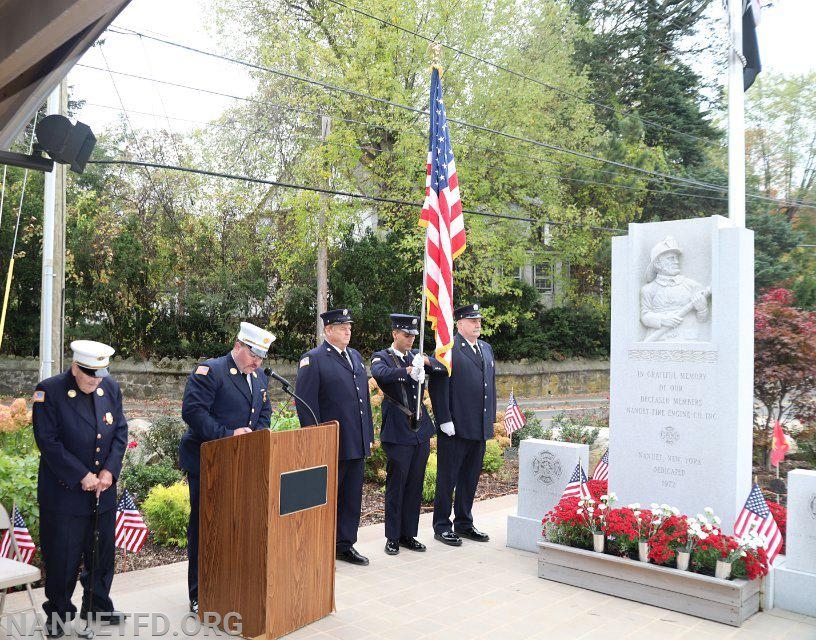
(304, 362)
(39, 396)
(202, 370)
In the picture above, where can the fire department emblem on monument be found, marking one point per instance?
(546, 467)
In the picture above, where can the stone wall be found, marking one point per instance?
(166, 379)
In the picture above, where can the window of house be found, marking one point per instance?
(543, 277)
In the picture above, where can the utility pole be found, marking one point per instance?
(52, 298)
(322, 245)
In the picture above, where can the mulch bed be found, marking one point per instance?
(491, 485)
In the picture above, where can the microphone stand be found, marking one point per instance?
(287, 387)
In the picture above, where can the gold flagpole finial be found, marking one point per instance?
(435, 51)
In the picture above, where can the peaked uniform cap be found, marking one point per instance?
(336, 316)
(258, 340)
(92, 355)
(468, 311)
(405, 322)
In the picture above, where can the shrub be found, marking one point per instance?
(167, 510)
(577, 427)
(429, 483)
(375, 464)
(141, 478)
(493, 457)
(532, 429)
(284, 417)
(161, 441)
(18, 484)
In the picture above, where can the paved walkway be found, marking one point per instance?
(474, 591)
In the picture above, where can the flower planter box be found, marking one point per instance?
(727, 601)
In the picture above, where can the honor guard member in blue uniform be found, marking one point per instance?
(81, 432)
(332, 380)
(224, 397)
(465, 409)
(400, 372)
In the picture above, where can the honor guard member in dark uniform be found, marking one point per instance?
(81, 432)
(465, 408)
(332, 380)
(224, 397)
(400, 372)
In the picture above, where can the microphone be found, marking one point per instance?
(287, 387)
(283, 381)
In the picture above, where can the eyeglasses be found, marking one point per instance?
(255, 351)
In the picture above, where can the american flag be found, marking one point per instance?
(602, 470)
(131, 530)
(756, 514)
(513, 417)
(444, 224)
(577, 485)
(24, 542)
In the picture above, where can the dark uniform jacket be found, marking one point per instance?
(217, 401)
(468, 397)
(73, 441)
(390, 373)
(336, 392)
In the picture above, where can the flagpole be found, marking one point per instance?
(736, 117)
(436, 55)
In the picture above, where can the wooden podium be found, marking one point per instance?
(268, 519)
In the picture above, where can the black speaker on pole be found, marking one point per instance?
(66, 143)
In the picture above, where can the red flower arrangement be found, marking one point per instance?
(566, 524)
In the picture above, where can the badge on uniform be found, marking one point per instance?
(233, 371)
(108, 418)
(100, 392)
(71, 393)
(202, 370)
(304, 362)
(39, 396)
(263, 396)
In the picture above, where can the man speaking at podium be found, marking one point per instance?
(332, 380)
(225, 396)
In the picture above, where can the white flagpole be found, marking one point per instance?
(736, 117)
(422, 319)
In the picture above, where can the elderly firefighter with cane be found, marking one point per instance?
(81, 432)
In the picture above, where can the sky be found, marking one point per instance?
(785, 37)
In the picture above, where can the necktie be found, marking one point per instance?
(477, 350)
(249, 382)
(346, 358)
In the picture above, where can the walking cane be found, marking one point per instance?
(88, 632)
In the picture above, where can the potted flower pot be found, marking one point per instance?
(598, 542)
(683, 558)
(722, 570)
(643, 551)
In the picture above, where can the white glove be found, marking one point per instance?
(418, 361)
(418, 374)
(447, 428)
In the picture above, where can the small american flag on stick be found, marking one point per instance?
(131, 530)
(577, 485)
(21, 535)
(513, 417)
(756, 513)
(602, 470)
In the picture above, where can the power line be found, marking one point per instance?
(695, 183)
(397, 105)
(518, 74)
(335, 192)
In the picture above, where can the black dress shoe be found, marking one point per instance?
(194, 605)
(449, 538)
(55, 630)
(412, 543)
(352, 557)
(472, 533)
(104, 617)
(391, 547)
